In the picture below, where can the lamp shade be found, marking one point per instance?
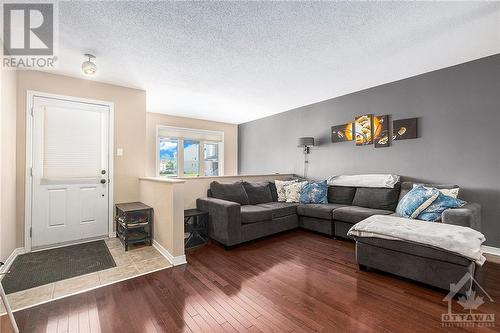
(306, 141)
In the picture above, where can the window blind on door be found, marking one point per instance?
(73, 143)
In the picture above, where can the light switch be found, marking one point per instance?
(119, 151)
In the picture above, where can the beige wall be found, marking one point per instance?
(165, 196)
(129, 130)
(8, 163)
(230, 139)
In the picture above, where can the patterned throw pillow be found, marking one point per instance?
(435, 210)
(416, 201)
(280, 188)
(315, 193)
(292, 191)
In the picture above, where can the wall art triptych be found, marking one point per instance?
(374, 129)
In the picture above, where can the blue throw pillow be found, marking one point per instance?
(314, 192)
(435, 210)
(416, 201)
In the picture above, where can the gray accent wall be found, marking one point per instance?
(459, 135)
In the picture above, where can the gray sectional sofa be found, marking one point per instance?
(238, 218)
(253, 211)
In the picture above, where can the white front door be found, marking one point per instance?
(69, 171)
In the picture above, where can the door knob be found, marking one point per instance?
(103, 181)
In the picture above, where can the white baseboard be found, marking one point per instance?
(112, 234)
(491, 253)
(176, 261)
(10, 259)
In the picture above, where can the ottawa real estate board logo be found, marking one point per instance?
(28, 35)
(470, 296)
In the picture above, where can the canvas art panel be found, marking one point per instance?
(363, 126)
(381, 135)
(342, 133)
(404, 129)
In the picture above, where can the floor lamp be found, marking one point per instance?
(306, 143)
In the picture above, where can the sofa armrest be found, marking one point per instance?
(224, 219)
(468, 215)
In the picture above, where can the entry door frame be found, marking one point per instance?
(28, 181)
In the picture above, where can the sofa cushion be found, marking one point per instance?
(252, 214)
(377, 198)
(405, 188)
(321, 211)
(355, 214)
(342, 195)
(258, 192)
(281, 209)
(274, 190)
(229, 191)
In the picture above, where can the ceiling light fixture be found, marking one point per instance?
(89, 67)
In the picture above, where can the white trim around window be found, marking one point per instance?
(180, 134)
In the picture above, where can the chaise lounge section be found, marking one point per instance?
(416, 262)
(419, 262)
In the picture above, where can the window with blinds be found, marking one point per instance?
(186, 152)
(73, 143)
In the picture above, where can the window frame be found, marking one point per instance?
(180, 150)
(220, 153)
(178, 142)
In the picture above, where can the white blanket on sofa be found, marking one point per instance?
(462, 241)
(374, 180)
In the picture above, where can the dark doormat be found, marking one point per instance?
(39, 268)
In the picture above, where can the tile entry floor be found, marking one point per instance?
(136, 261)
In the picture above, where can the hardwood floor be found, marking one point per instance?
(293, 282)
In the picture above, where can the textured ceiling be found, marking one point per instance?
(239, 61)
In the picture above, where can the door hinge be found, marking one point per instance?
(31, 172)
(32, 112)
(31, 232)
